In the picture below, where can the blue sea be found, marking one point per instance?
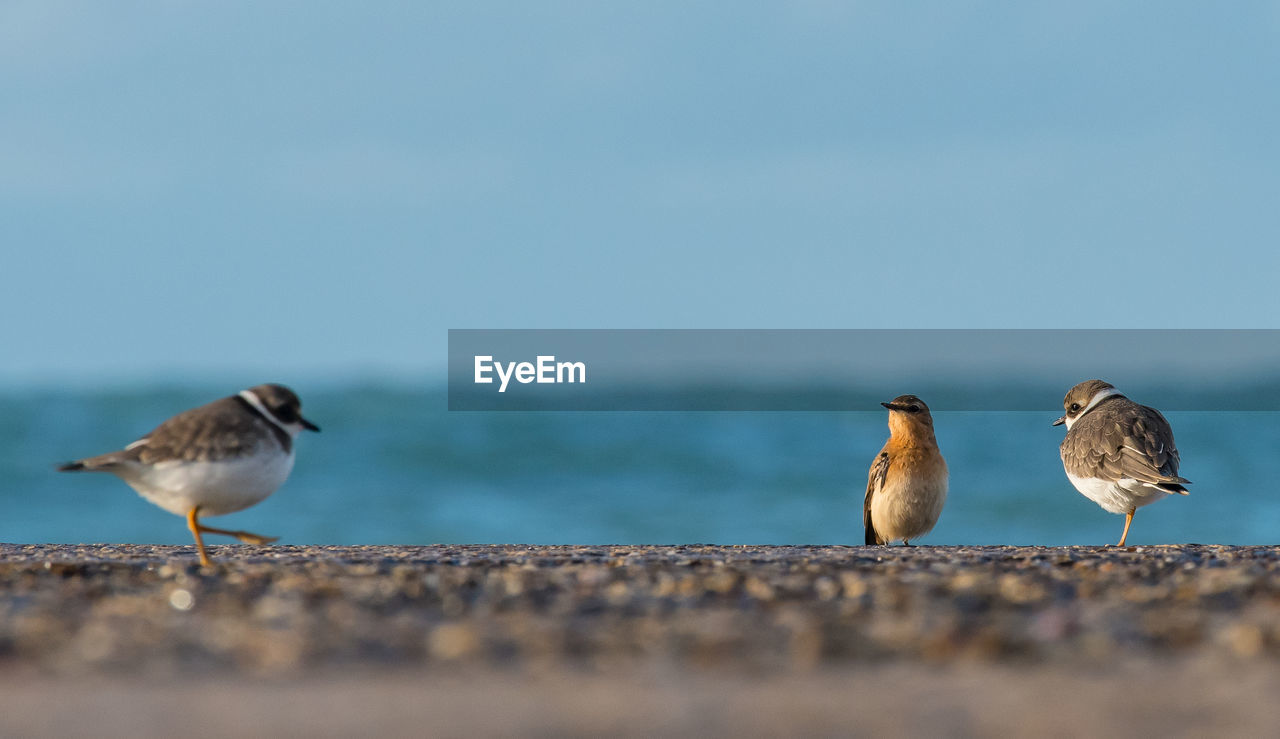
(393, 466)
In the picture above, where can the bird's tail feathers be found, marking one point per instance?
(104, 463)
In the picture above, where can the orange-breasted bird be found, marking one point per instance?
(907, 483)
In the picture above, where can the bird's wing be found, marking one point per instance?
(1146, 450)
(211, 432)
(1139, 448)
(198, 435)
(875, 481)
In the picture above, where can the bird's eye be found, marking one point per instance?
(1074, 407)
(913, 408)
(285, 413)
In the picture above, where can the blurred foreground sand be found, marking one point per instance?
(1143, 699)
(694, 640)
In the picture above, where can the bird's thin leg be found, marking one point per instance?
(193, 523)
(1128, 519)
(243, 536)
(906, 543)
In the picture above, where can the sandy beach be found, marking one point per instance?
(637, 640)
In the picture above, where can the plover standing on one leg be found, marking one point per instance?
(219, 458)
(1119, 454)
(907, 483)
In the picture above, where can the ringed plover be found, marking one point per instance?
(1119, 454)
(216, 459)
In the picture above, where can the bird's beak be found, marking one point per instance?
(891, 406)
(1060, 421)
(307, 424)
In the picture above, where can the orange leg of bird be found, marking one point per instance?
(1128, 519)
(243, 536)
(193, 523)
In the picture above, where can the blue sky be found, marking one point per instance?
(322, 189)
